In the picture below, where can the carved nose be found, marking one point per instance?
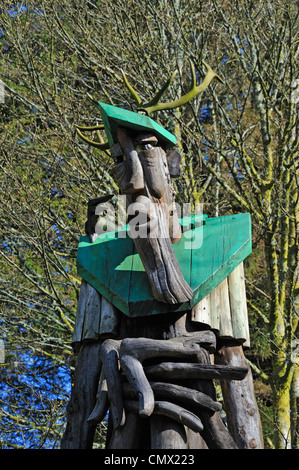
(130, 171)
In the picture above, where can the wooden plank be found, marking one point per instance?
(226, 243)
(79, 322)
(201, 311)
(215, 306)
(109, 323)
(238, 305)
(92, 314)
(225, 322)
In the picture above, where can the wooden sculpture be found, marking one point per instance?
(162, 309)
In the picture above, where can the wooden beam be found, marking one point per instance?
(238, 305)
(239, 401)
(79, 433)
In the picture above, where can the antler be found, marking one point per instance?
(99, 145)
(155, 105)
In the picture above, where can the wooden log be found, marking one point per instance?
(79, 434)
(96, 317)
(175, 370)
(201, 312)
(205, 339)
(215, 306)
(225, 321)
(164, 432)
(179, 414)
(240, 403)
(147, 348)
(167, 433)
(215, 433)
(109, 355)
(195, 440)
(238, 305)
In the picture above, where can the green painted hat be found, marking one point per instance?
(113, 117)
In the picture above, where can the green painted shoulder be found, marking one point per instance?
(208, 251)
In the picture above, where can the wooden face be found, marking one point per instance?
(144, 176)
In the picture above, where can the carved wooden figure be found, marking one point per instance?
(158, 323)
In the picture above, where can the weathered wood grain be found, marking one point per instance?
(129, 435)
(215, 433)
(96, 317)
(102, 402)
(174, 162)
(80, 315)
(133, 351)
(215, 309)
(175, 370)
(225, 320)
(109, 321)
(201, 312)
(166, 433)
(238, 305)
(173, 411)
(176, 394)
(79, 434)
(240, 403)
(131, 178)
(92, 314)
(186, 396)
(109, 355)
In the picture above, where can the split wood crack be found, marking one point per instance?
(132, 380)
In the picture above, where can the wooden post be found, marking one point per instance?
(167, 434)
(240, 403)
(238, 305)
(79, 433)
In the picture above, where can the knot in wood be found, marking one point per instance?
(252, 444)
